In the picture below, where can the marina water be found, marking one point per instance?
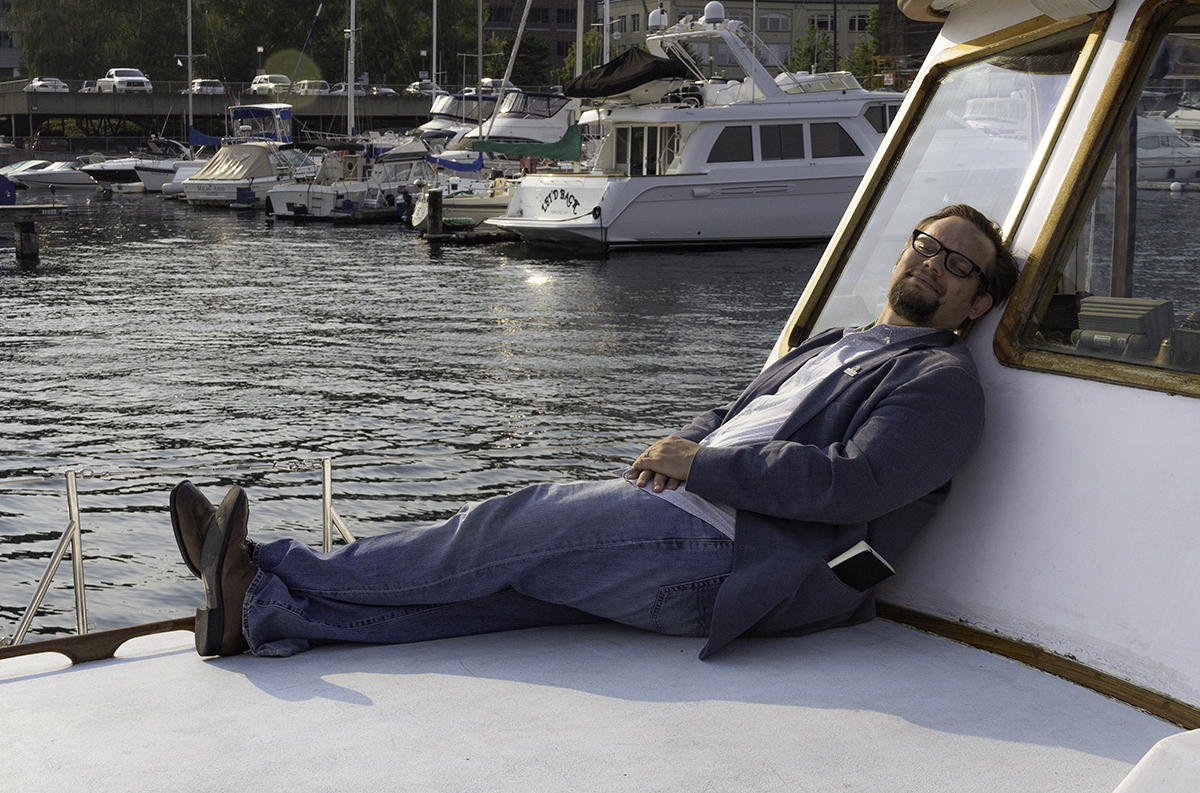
(155, 342)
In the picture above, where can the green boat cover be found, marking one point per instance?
(568, 147)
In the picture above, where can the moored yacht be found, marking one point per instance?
(764, 159)
(258, 156)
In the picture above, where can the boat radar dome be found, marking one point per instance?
(714, 12)
(657, 19)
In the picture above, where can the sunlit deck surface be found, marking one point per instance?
(878, 707)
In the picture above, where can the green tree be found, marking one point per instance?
(532, 67)
(813, 48)
(860, 62)
(593, 53)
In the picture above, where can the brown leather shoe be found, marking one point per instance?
(192, 516)
(227, 572)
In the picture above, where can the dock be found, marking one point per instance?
(24, 218)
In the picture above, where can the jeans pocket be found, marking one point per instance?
(686, 609)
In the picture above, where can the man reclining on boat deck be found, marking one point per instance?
(723, 529)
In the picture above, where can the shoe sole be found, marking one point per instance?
(178, 535)
(210, 620)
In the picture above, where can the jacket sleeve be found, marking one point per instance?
(908, 437)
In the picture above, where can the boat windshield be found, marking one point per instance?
(532, 105)
(980, 132)
(463, 108)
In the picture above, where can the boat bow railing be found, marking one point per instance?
(71, 537)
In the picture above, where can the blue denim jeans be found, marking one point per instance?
(545, 555)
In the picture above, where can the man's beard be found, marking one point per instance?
(907, 301)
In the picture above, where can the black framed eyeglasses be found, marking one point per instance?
(956, 263)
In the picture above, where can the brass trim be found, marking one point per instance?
(833, 262)
(1065, 220)
(1153, 702)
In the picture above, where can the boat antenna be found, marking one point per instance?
(300, 59)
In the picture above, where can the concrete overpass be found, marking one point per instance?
(122, 116)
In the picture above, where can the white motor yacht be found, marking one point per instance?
(68, 173)
(764, 159)
(257, 157)
(120, 174)
(353, 178)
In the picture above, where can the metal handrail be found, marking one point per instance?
(72, 535)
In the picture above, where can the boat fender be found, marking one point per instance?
(596, 212)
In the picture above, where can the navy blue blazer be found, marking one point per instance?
(867, 455)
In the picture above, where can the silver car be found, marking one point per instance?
(124, 81)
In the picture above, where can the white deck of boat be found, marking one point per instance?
(877, 707)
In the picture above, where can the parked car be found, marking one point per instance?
(422, 88)
(380, 90)
(124, 81)
(266, 84)
(311, 88)
(340, 90)
(89, 87)
(51, 84)
(199, 86)
(491, 85)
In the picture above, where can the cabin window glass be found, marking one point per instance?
(622, 150)
(782, 141)
(881, 116)
(637, 151)
(830, 139)
(948, 159)
(668, 148)
(734, 144)
(1128, 289)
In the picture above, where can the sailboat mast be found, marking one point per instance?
(350, 78)
(189, 72)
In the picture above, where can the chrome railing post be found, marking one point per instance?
(327, 504)
(330, 517)
(76, 554)
(70, 536)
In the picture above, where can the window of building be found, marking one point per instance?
(739, 16)
(830, 139)
(539, 18)
(858, 23)
(782, 141)
(635, 22)
(774, 22)
(562, 49)
(565, 17)
(500, 17)
(734, 144)
(821, 21)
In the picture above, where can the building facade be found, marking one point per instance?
(778, 23)
(10, 46)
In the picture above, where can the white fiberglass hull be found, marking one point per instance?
(225, 192)
(693, 208)
(58, 177)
